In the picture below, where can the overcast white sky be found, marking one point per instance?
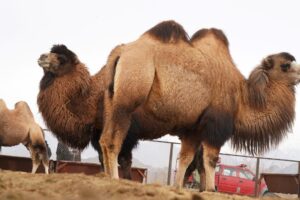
(91, 28)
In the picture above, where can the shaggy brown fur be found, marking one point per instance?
(18, 126)
(196, 92)
(69, 96)
(71, 102)
(270, 93)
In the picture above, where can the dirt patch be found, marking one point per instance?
(20, 185)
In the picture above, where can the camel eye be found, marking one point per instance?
(62, 59)
(285, 67)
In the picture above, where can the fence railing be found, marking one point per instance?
(258, 162)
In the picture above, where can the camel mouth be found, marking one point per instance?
(296, 68)
(43, 64)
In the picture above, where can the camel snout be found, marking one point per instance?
(42, 61)
(296, 67)
(43, 57)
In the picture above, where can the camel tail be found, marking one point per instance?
(111, 68)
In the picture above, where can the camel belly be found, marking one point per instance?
(12, 134)
(177, 96)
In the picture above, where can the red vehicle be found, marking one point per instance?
(238, 180)
(232, 179)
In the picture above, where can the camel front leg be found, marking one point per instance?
(210, 158)
(186, 156)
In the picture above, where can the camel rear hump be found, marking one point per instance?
(217, 33)
(24, 107)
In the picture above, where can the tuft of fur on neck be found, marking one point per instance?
(265, 114)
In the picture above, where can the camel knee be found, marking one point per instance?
(109, 145)
(212, 161)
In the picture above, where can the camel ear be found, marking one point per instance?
(267, 63)
(257, 83)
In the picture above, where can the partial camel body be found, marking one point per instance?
(18, 126)
(165, 83)
(71, 103)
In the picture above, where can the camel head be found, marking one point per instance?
(59, 61)
(278, 68)
(282, 67)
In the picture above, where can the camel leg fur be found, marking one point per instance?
(197, 163)
(210, 158)
(202, 180)
(34, 157)
(112, 139)
(125, 155)
(186, 155)
(114, 133)
(38, 155)
(119, 103)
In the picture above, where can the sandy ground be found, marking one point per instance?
(21, 185)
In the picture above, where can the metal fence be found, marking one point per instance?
(165, 155)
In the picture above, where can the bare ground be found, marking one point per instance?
(21, 185)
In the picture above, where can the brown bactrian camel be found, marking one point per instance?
(71, 103)
(162, 83)
(18, 126)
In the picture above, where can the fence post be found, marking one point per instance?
(170, 164)
(298, 179)
(257, 177)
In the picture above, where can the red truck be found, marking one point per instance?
(233, 179)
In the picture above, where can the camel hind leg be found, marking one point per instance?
(45, 162)
(34, 157)
(117, 123)
(130, 88)
(39, 155)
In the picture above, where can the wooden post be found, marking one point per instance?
(170, 164)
